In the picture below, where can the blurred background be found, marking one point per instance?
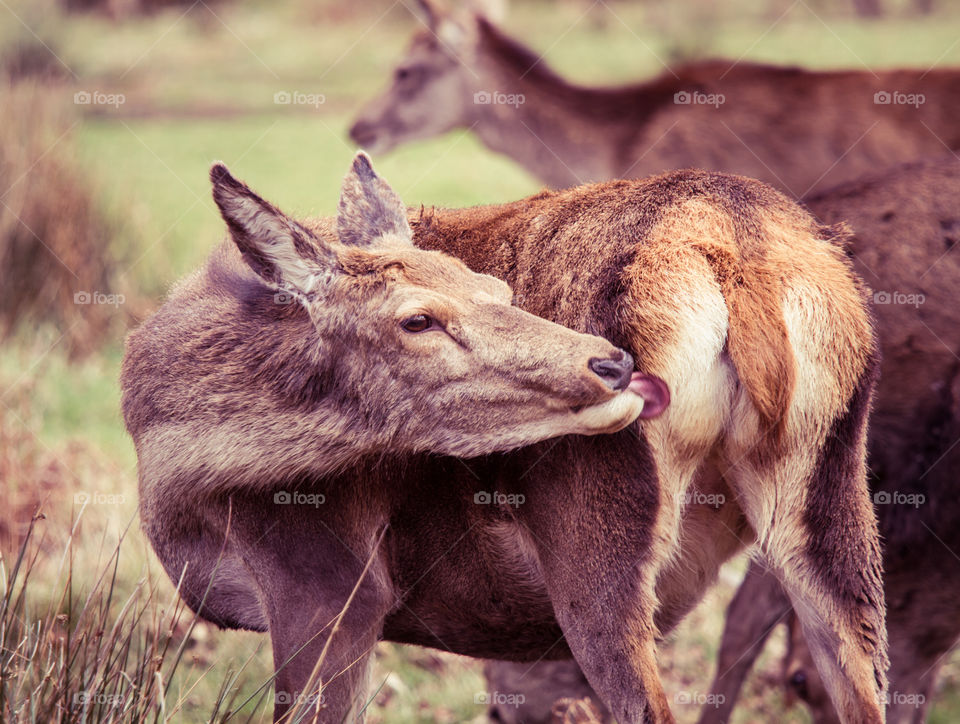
(111, 112)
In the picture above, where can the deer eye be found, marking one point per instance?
(798, 681)
(410, 78)
(403, 74)
(418, 323)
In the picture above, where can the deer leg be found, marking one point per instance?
(325, 604)
(812, 512)
(322, 675)
(595, 530)
(759, 605)
(922, 627)
(801, 679)
(921, 635)
(713, 529)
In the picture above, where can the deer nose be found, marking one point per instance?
(615, 373)
(363, 133)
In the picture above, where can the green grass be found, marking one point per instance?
(78, 399)
(154, 177)
(201, 87)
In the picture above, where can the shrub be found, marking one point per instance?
(54, 242)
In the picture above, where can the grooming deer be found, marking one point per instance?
(796, 129)
(294, 459)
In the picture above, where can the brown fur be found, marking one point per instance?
(905, 223)
(726, 236)
(796, 129)
(304, 330)
(585, 565)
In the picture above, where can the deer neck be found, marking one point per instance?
(525, 111)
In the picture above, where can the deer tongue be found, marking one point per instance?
(653, 390)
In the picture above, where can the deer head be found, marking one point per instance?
(433, 88)
(417, 352)
(801, 679)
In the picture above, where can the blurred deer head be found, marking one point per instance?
(434, 86)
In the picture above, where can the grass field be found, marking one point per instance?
(199, 86)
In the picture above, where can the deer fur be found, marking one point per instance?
(906, 222)
(796, 129)
(722, 290)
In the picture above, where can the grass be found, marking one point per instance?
(54, 239)
(76, 647)
(199, 87)
(167, 193)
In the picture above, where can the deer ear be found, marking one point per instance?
(442, 23)
(432, 13)
(370, 210)
(276, 247)
(493, 10)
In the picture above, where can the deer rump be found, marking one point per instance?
(904, 222)
(722, 287)
(914, 423)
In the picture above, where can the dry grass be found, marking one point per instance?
(55, 261)
(79, 650)
(81, 639)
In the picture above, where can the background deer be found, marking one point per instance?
(796, 129)
(905, 222)
(720, 289)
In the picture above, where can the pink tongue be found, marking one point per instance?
(653, 390)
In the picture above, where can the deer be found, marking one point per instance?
(799, 130)
(906, 222)
(474, 429)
